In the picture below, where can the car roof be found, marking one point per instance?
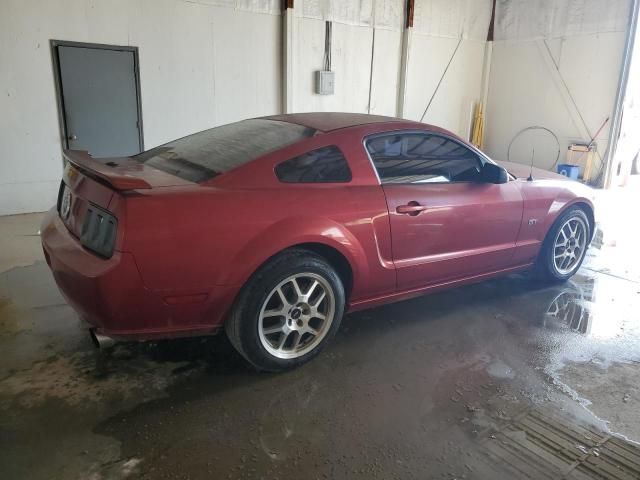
(329, 121)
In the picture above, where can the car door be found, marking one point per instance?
(446, 224)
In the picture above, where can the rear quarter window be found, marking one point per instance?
(202, 156)
(324, 165)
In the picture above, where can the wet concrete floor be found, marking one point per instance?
(503, 379)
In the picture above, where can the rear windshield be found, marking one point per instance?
(202, 156)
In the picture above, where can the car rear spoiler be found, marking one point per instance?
(111, 173)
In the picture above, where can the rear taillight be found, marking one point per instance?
(99, 231)
(60, 192)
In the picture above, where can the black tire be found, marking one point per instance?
(545, 268)
(243, 324)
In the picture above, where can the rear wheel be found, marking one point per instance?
(565, 246)
(287, 311)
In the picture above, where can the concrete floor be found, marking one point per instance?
(504, 379)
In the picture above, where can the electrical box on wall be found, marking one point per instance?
(325, 82)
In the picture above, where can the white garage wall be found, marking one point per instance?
(439, 26)
(354, 22)
(351, 62)
(195, 72)
(386, 72)
(452, 105)
(555, 64)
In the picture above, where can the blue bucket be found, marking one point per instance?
(568, 170)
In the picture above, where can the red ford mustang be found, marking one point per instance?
(272, 228)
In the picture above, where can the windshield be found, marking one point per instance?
(202, 156)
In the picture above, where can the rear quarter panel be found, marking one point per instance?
(195, 239)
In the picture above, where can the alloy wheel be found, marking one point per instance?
(296, 315)
(570, 245)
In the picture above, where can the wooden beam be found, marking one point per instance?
(492, 22)
(411, 7)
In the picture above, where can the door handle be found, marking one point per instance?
(73, 137)
(412, 208)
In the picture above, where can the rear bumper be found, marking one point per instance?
(110, 294)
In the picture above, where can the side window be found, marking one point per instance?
(422, 158)
(324, 165)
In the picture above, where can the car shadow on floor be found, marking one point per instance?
(216, 356)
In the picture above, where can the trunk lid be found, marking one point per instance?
(89, 185)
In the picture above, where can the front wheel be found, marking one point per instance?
(565, 246)
(287, 311)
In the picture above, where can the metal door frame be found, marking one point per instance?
(58, 83)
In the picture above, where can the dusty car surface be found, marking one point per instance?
(272, 228)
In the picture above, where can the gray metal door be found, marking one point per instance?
(99, 92)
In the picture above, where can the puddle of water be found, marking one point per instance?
(591, 331)
(498, 369)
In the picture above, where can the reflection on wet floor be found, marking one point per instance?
(503, 379)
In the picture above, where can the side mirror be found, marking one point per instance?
(492, 173)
